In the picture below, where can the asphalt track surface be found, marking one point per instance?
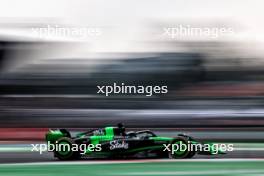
(24, 153)
(248, 160)
(236, 163)
(31, 157)
(202, 167)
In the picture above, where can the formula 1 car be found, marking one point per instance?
(115, 142)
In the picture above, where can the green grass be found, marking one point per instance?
(204, 168)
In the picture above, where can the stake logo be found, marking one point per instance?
(118, 145)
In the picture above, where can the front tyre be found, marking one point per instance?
(179, 148)
(64, 149)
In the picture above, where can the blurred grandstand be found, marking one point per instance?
(204, 91)
(213, 86)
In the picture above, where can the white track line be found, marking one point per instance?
(248, 149)
(214, 172)
(130, 161)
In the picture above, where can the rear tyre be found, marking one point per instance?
(179, 153)
(191, 154)
(64, 150)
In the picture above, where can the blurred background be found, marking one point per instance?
(209, 54)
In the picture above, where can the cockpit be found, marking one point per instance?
(141, 134)
(118, 131)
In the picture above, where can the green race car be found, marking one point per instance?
(115, 142)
